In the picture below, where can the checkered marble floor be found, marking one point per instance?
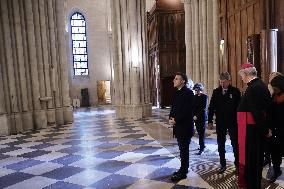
(99, 151)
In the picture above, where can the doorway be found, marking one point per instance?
(103, 92)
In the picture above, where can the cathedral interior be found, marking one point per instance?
(86, 86)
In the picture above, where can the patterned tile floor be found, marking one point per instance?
(100, 151)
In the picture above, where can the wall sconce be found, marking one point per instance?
(134, 57)
(222, 46)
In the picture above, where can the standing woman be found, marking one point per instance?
(200, 114)
(277, 125)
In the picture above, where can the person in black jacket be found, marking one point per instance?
(224, 103)
(277, 125)
(182, 120)
(200, 114)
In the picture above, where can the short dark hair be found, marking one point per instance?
(225, 76)
(278, 82)
(198, 86)
(183, 76)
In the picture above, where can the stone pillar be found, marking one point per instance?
(204, 43)
(50, 112)
(216, 41)
(27, 116)
(54, 63)
(39, 53)
(4, 121)
(201, 38)
(14, 116)
(196, 47)
(130, 63)
(210, 47)
(40, 119)
(21, 69)
(188, 38)
(63, 63)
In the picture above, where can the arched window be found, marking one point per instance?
(79, 44)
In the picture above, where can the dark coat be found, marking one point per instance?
(181, 110)
(224, 106)
(277, 122)
(200, 107)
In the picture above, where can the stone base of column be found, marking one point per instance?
(5, 125)
(59, 116)
(147, 110)
(68, 114)
(27, 118)
(50, 113)
(133, 111)
(16, 123)
(40, 119)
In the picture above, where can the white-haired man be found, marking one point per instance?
(252, 127)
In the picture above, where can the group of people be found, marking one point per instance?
(250, 119)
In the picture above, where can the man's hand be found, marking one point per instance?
(172, 121)
(269, 134)
(210, 126)
(194, 118)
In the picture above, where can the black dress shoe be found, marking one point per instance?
(175, 173)
(222, 170)
(266, 161)
(275, 176)
(200, 152)
(177, 177)
(237, 170)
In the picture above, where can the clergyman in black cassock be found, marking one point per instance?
(253, 127)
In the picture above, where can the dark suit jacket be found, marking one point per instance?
(224, 106)
(182, 111)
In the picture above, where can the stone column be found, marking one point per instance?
(63, 63)
(20, 62)
(188, 38)
(15, 116)
(54, 63)
(196, 46)
(26, 57)
(39, 53)
(201, 38)
(130, 63)
(210, 46)
(50, 112)
(4, 120)
(40, 119)
(216, 41)
(204, 43)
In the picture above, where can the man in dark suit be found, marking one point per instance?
(181, 117)
(224, 103)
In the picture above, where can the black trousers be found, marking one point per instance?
(276, 153)
(200, 127)
(221, 130)
(183, 144)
